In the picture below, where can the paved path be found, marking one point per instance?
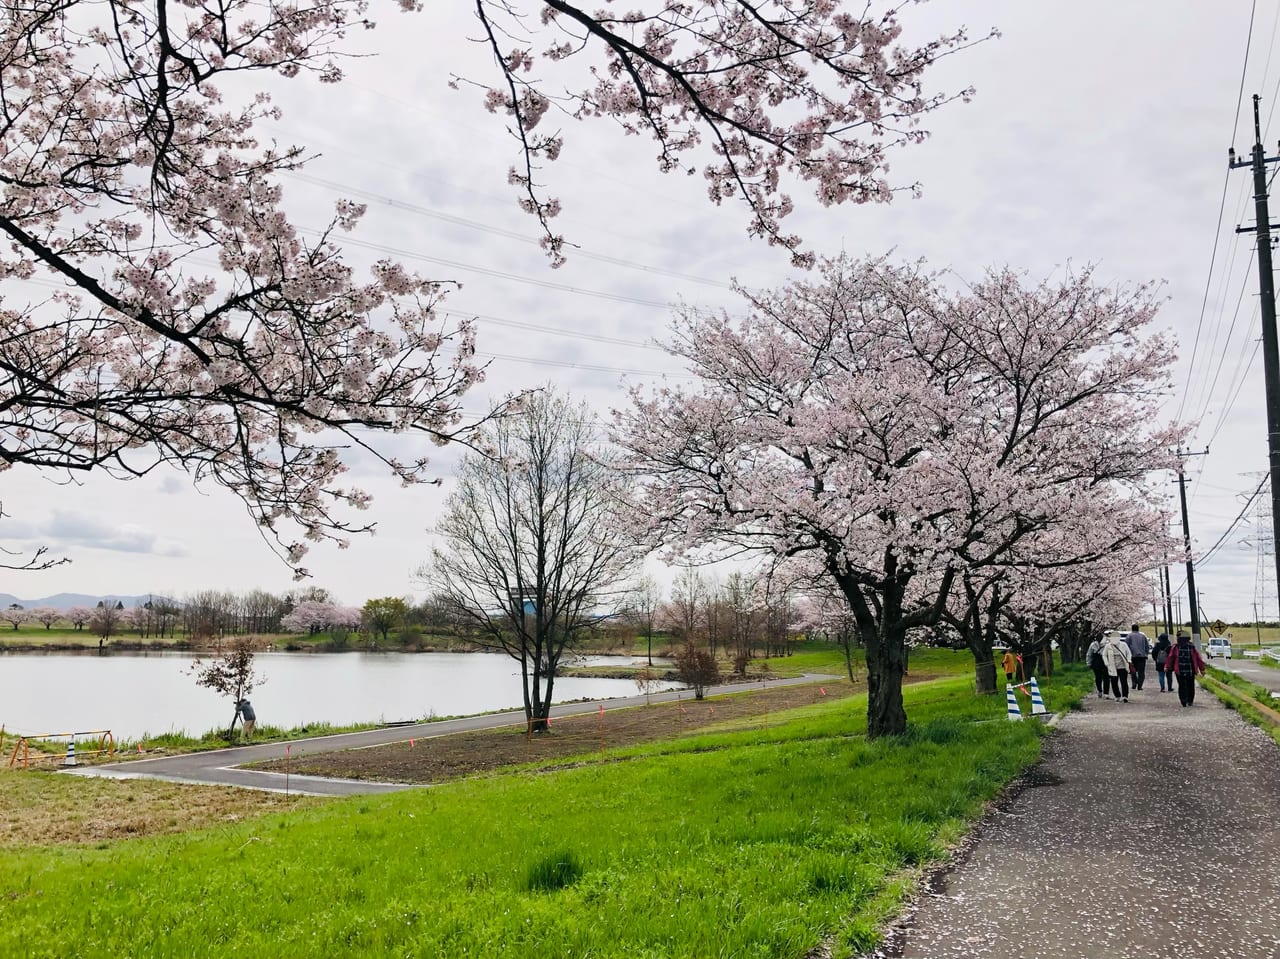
(1251, 670)
(219, 767)
(1083, 864)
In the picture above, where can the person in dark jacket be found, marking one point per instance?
(1160, 653)
(1139, 650)
(1187, 665)
(244, 709)
(1093, 657)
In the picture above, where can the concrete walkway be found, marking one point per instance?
(220, 766)
(1148, 830)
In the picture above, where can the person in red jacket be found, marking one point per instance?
(1186, 666)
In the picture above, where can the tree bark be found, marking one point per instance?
(886, 715)
(984, 665)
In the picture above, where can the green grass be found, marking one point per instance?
(756, 844)
(1242, 696)
(821, 657)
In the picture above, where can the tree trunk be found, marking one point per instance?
(984, 664)
(886, 715)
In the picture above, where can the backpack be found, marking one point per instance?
(1186, 664)
(1095, 660)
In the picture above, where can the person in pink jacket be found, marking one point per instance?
(1186, 666)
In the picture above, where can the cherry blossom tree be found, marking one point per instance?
(108, 619)
(160, 307)
(891, 432)
(1054, 577)
(46, 615)
(15, 616)
(315, 617)
(157, 304)
(79, 615)
(747, 94)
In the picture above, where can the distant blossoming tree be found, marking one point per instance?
(891, 433)
(315, 617)
(47, 615)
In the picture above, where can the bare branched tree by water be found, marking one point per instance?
(532, 555)
(230, 674)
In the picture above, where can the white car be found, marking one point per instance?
(1218, 646)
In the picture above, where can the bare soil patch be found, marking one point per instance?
(466, 754)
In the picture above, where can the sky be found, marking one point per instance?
(1098, 135)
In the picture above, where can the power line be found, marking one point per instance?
(1234, 523)
(1222, 205)
(498, 231)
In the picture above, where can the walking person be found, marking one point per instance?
(1187, 665)
(1094, 658)
(1139, 649)
(1160, 653)
(1116, 655)
(1009, 664)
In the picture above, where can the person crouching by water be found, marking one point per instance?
(1187, 664)
(1160, 653)
(1094, 658)
(1116, 655)
(244, 710)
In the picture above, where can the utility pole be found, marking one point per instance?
(1191, 566)
(1168, 604)
(1267, 291)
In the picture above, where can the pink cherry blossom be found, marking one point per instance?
(880, 432)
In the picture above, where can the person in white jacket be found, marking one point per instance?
(1117, 657)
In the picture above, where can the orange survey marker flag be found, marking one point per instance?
(823, 690)
(410, 743)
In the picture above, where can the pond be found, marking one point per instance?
(137, 694)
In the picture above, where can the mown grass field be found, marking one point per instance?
(759, 842)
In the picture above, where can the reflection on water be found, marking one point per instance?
(133, 694)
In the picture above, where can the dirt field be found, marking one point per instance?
(465, 754)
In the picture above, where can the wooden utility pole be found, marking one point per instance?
(1267, 301)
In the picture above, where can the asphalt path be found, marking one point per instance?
(1251, 670)
(1148, 831)
(222, 767)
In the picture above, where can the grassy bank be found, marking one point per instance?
(750, 843)
(1253, 702)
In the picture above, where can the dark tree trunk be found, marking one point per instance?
(984, 664)
(886, 715)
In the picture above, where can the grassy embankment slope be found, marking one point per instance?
(749, 842)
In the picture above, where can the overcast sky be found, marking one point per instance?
(1098, 135)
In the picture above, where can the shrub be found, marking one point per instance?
(697, 668)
